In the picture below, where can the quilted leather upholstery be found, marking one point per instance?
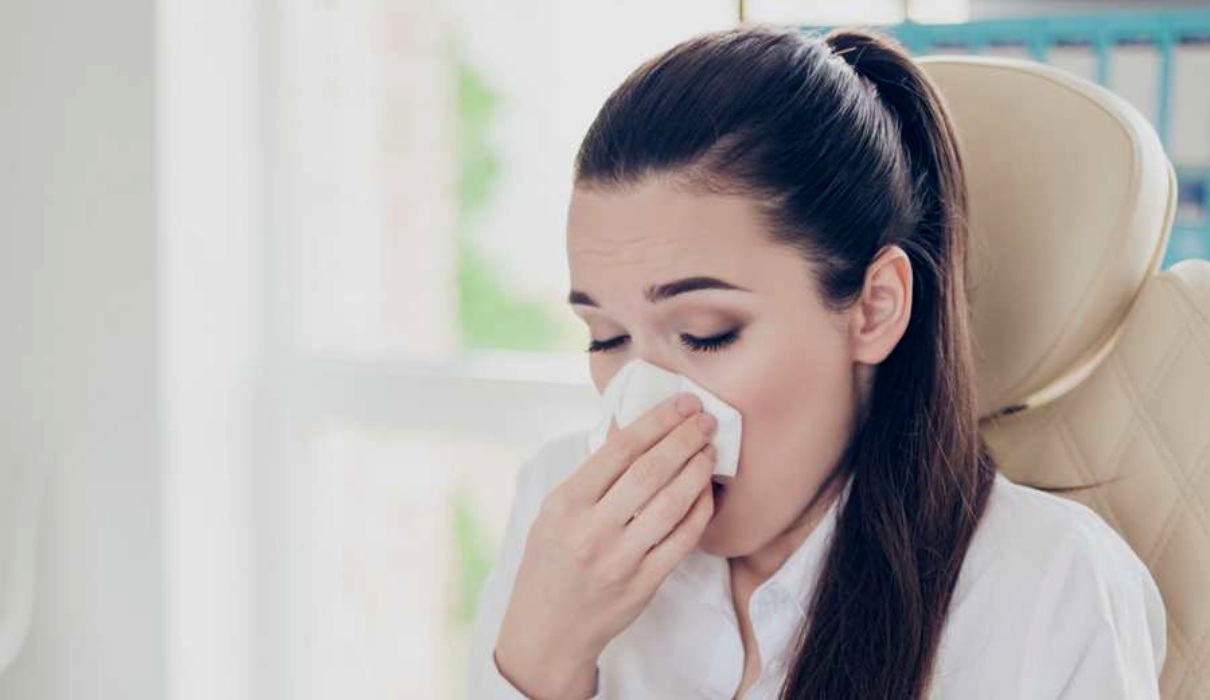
(1094, 365)
(1143, 417)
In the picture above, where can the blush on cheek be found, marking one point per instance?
(795, 419)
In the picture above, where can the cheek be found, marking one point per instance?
(795, 395)
(796, 402)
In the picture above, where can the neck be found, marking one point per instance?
(763, 563)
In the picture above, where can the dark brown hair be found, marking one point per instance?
(847, 148)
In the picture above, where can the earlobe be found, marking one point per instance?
(881, 315)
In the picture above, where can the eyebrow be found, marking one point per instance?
(660, 292)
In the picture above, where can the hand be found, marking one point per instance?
(589, 569)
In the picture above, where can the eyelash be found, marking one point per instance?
(711, 344)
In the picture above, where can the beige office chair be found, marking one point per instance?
(1093, 364)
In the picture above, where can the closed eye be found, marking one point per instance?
(711, 344)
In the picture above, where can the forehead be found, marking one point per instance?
(664, 229)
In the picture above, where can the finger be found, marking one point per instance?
(654, 469)
(668, 507)
(623, 446)
(664, 556)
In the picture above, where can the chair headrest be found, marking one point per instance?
(1071, 203)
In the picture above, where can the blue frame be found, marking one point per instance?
(1102, 31)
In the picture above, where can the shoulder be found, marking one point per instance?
(1034, 533)
(549, 464)
(1048, 582)
(554, 460)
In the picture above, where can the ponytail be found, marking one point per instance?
(919, 489)
(924, 128)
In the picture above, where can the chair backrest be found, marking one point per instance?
(1093, 364)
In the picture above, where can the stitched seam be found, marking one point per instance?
(1200, 650)
(1138, 398)
(1196, 648)
(1081, 466)
(1185, 291)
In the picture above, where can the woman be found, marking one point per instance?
(809, 190)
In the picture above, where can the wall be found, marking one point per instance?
(78, 357)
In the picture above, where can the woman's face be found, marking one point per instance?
(794, 370)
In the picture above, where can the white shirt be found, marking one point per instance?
(1050, 603)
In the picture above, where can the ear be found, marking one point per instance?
(881, 315)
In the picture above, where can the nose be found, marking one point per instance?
(649, 358)
(657, 359)
(616, 376)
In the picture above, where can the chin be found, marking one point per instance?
(717, 541)
(711, 548)
(719, 538)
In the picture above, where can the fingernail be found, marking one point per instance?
(687, 404)
(707, 423)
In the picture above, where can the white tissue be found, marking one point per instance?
(640, 385)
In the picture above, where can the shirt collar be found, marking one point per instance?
(799, 573)
(708, 576)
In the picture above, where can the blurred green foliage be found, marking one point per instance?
(474, 557)
(490, 314)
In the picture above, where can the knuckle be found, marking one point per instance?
(663, 510)
(554, 506)
(646, 473)
(672, 414)
(613, 570)
(691, 434)
(632, 599)
(582, 548)
(645, 579)
(628, 443)
(582, 556)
